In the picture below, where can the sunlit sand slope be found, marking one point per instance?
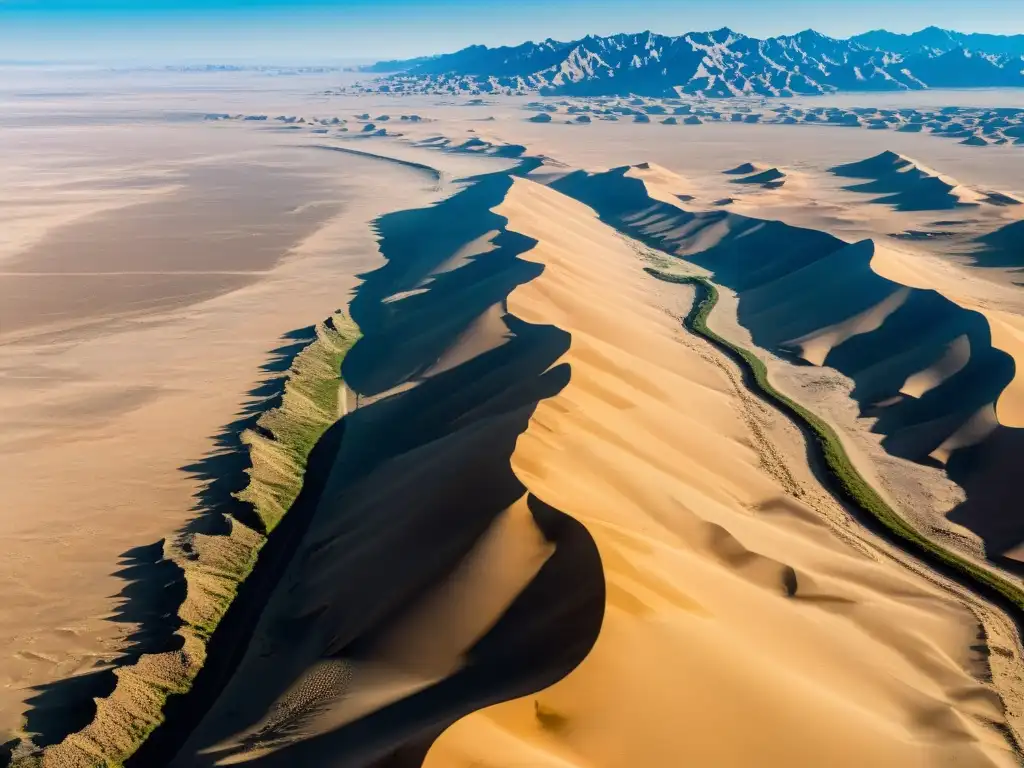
(737, 630)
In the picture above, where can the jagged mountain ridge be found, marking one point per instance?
(721, 63)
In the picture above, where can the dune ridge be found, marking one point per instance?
(769, 178)
(214, 561)
(1003, 248)
(446, 380)
(434, 174)
(745, 169)
(908, 185)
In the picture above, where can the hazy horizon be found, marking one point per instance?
(351, 31)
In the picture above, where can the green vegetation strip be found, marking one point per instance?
(849, 483)
(214, 566)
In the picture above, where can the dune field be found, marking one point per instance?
(384, 435)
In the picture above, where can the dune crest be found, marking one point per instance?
(908, 185)
(815, 346)
(745, 169)
(772, 178)
(1006, 330)
(957, 355)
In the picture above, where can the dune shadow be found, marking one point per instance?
(155, 587)
(403, 336)
(66, 706)
(915, 201)
(423, 473)
(221, 472)
(542, 637)
(1003, 248)
(988, 473)
(771, 178)
(230, 642)
(918, 427)
(418, 480)
(7, 750)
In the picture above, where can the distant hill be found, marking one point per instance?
(395, 65)
(941, 41)
(721, 63)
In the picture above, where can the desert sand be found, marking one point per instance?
(552, 526)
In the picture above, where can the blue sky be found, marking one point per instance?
(327, 30)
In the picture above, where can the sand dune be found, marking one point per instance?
(475, 145)
(873, 167)
(744, 169)
(140, 400)
(1001, 198)
(1002, 248)
(954, 360)
(430, 171)
(972, 126)
(907, 185)
(771, 178)
(130, 354)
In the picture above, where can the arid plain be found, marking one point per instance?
(544, 520)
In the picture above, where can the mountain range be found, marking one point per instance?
(721, 63)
